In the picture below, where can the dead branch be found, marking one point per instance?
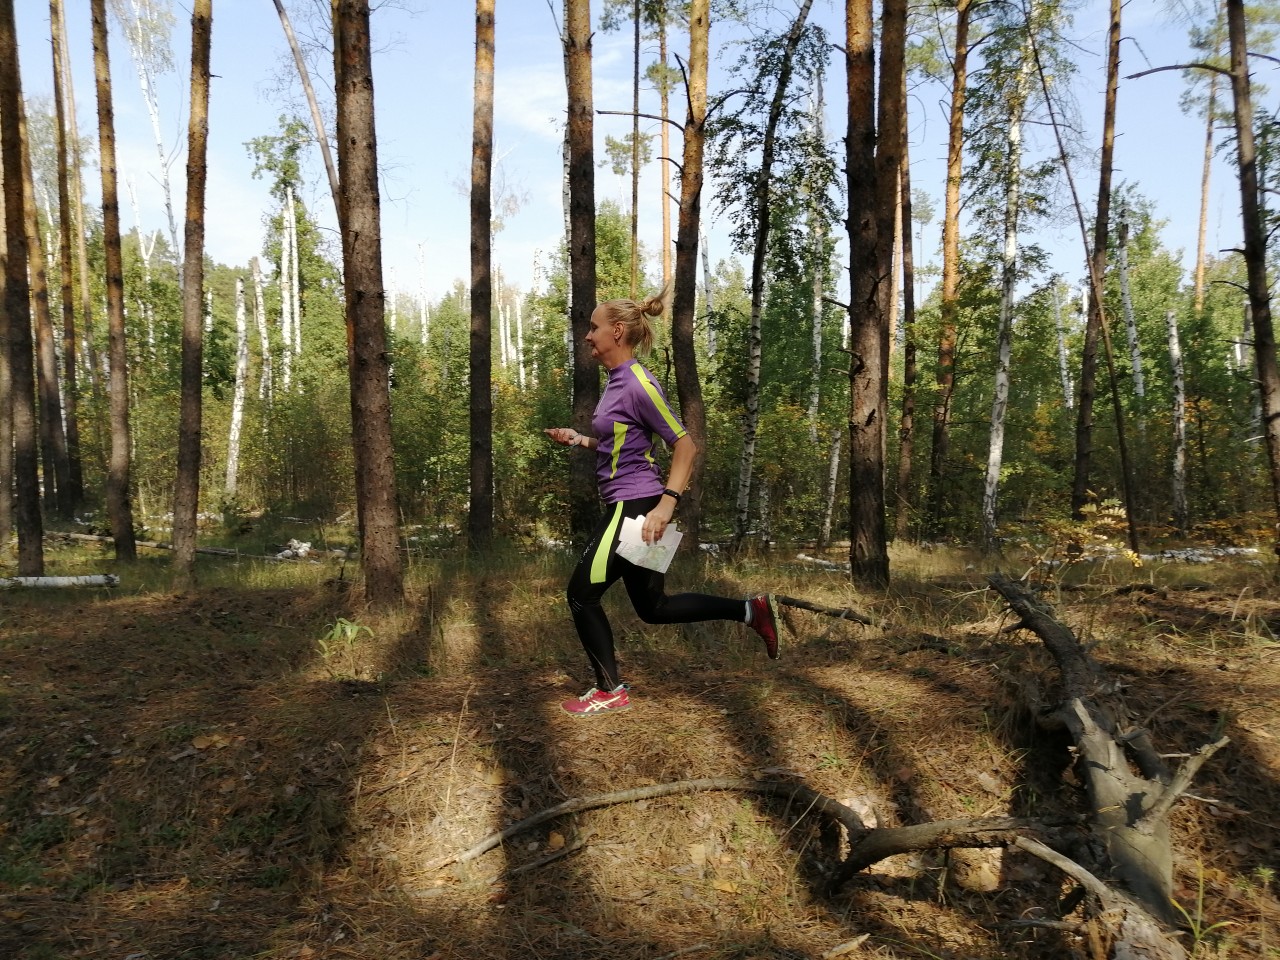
(884, 842)
(811, 798)
(845, 613)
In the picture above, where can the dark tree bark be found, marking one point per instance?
(360, 222)
(480, 517)
(119, 504)
(17, 307)
(1255, 249)
(6, 399)
(73, 491)
(583, 503)
(1097, 269)
(904, 497)
(693, 411)
(186, 497)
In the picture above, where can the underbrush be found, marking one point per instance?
(265, 767)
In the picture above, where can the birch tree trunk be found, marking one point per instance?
(480, 517)
(119, 504)
(360, 220)
(1008, 286)
(708, 294)
(6, 370)
(688, 385)
(818, 251)
(286, 297)
(238, 398)
(17, 307)
(1255, 247)
(1181, 511)
(1064, 359)
(317, 119)
(265, 392)
(186, 496)
(760, 215)
(295, 276)
(1130, 321)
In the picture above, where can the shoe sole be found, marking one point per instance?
(584, 714)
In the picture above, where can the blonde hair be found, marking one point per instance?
(634, 317)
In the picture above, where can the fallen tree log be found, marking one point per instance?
(87, 580)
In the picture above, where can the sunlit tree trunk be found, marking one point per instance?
(53, 439)
(688, 385)
(1206, 168)
(1255, 246)
(6, 388)
(360, 221)
(761, 222)
(1064, 359)
(17, 307)
(583, 503)
(77, 201)
(950, 305)
(1126, 307)
(480, 517)
(664, 182)
(238, 398)
(903, 494)
(817, 290)
(186, 496)
(119, 503)
(265, 392)
(635, 157)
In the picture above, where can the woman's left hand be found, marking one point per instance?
(656, 520)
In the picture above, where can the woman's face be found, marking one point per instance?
(605, 339)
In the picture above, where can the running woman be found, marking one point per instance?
(632, 411)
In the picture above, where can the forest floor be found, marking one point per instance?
(264, 768)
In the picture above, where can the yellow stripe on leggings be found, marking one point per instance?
(600, 562)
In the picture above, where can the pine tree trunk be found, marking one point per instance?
(376, 500)
(73, 491)
(238, 398)
(583, 502)
(1205, 171)
(53, 439)
(6, 389)
(761, 220)
(903, 496)
(664, 182)
(480, 517)
(635, 156)
(186, 495)
(119, 503)
(1255, 247)
(17, 307)
(946, 372)
(688, 386)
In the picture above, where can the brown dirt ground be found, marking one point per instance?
(188, 776)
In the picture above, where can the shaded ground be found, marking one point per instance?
(198, 776)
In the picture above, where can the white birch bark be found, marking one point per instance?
(833, 478)
(708, 302)
(295, 277)
(145, 251)
(1181, 511)
(286, 298)
(818, 234)
(264, 341)
(519, 321)
(1126, 306)
(1064, 358)
(237, 400)
(422, 296)
(208, 311)
(1009, 279)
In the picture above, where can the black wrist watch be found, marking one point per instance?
(672, 494)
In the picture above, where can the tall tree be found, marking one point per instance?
(6, 393)
(480, 517)
(1255, 246)
(313, 103)
(73, 492)
(360, 221)
(186, 496)
(693, 410)
(17, 307)
(241, 393)
(53, 440)
(582, 256)
(950, 305)
(904, 498)
(119, 503)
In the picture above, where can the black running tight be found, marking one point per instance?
(597, 570)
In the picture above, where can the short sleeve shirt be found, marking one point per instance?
(631, 412)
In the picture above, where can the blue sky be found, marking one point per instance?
(423, 76)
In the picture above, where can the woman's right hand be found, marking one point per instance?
(566, 436)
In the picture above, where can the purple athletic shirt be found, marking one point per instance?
(631, 410)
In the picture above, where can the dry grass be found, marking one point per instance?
(198, 776)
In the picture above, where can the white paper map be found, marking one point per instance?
(652, 556)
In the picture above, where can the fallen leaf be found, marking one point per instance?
(724, 886)
(555, 841)
(698, 854)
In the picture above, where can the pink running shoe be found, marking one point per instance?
(595, 702)
(764, 621)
